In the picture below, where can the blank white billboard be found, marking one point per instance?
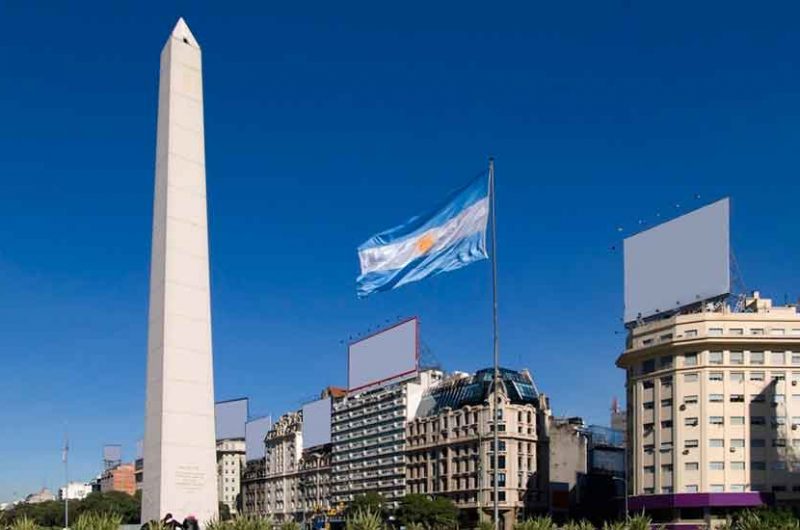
(230, 417)
(254, 433)
(678, 263)
(317, 423)
(386, 355)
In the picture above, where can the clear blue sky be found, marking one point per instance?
(327, 122)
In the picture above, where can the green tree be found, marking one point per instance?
(371, 502)
(436, 513)
(114, 502)
(224, 512)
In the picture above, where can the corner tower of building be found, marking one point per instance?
(713, 411)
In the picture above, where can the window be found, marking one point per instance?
(737, 398)
(649, 448)
(690, 400)
(648, 366)
(691, 422)
(691, 466)
(648, 491)
(649, 405)
(716, 420)
(777, 357)
(717, 488)
(757, 398)
(778, 466)
(715, 376)
(690, 378)
(647, 385)
(756, 376)
(777, 376)
(667, 447)
(757, 442)
(738, 487)
(737, 442)
(666, 382)
(737, 420)
(757, 420)
(649, 470)
(666, 402)
(795, 357)
(756, 331)
(691, 488)
(777, 331)
(758, 465)
(736, 331)
(779, 442)
(715, 357)
(756, 357)
(690, 359)
(779, 398)
(715, 331)
(690, 333)
(716, 466)
(715, 398)
(736, 357)
(690, 444)
(716, 442)
(737, 465)
(666, 424)
(666, 489)
(666, 361)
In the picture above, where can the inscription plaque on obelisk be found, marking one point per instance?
(179, 446)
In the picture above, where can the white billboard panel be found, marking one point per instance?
(230, 417)
(386, 355)
(112, 453)
(254, 433)
(678, 263)
(317, 423)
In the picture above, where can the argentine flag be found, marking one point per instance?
(450, 237)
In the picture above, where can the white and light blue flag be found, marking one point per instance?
(450, 237)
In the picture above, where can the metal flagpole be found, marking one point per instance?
(496, 349)
(66, 481)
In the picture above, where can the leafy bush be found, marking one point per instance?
(24, 523)
(98, 521)
(580, 525)
(364, 520)
(537, 523)
(485, 525)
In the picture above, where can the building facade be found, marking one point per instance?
(230, 465)
(449, 446)
(119, 478)
(713, 411)
(74, 491)
(368, 433)
(292, 484)
(254, 492)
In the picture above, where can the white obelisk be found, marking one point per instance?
(179, 444)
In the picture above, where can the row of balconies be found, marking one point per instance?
(359, 464)
(369, 453)
(369, 485)
(393, 426)
(367, 442)
(368, 399)
(342, 424)
(366, 411)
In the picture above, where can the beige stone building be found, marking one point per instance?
(294, 484)
(449, 446)
(714, 410)
(230, 465)
(254, 481)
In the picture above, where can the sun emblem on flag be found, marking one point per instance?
(425, 243)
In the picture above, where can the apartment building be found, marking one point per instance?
(230, 465)
(449, 446)
(119, 478)
(294, 484)
(368, 433)
(713, 411)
